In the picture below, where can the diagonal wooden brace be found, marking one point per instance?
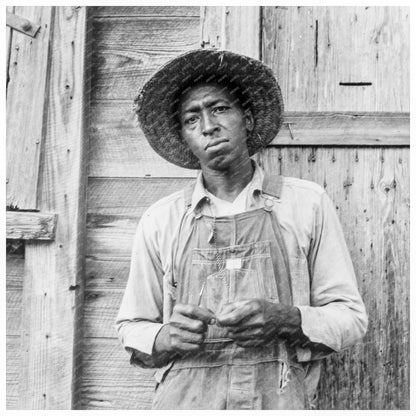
(22, 25)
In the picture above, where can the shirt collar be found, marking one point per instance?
(255, 185)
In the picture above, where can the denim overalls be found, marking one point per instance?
(245, 259)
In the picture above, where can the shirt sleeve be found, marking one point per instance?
(141, 312)
(336, 316)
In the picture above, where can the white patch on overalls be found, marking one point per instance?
(233, 263)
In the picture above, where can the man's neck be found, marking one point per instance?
(228, 184)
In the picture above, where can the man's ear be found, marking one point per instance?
(249, 120)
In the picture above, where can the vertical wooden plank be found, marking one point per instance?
(14, 284)
(53, 284)
(27, 88)
(242, 30)
(212, 23)
(234, 28)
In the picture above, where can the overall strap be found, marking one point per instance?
(272, 185)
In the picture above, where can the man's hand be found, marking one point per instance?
(254, 322)
(187, 328)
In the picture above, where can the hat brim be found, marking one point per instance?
(155, 109)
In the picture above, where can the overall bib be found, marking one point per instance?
(222, 260)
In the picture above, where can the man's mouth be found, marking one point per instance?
(214, 142)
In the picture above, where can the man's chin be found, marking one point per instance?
(220, 163)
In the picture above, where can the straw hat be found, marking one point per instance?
(156, 105)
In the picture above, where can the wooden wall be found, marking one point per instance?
(318, 54)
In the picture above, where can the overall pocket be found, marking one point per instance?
(234, 273)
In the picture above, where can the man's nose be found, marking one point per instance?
(208, 125)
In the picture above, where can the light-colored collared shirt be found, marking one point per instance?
(323, 281)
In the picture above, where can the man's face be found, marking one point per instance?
(215, 126)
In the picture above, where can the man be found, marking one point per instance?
(240, 284)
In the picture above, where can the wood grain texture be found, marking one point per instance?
(14, 272)
(53, 290)
(154, 11)
(102, 274)
(109, 381)
(370, 190)
(115, 206)
(344, 129)
(312, 49)
(13, 366)
(13, 312)
(30, 225)
(21, 24)
(242, 30)
(118, 147)
(234, 28)
(110, 235)
(100, 311)
(126, 51)
(26, 108)
(14, 285)
(129, 196)
(212, 27)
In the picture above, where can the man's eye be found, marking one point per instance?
(220, 109)
(191, 120)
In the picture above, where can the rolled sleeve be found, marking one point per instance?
(336, 315)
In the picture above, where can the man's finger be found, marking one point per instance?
(186, 348)
(180, 336)
(235, 313)
(188, 324)
(195, 312)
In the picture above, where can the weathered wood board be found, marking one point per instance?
(27, 87)
(14, 285)
(235, 28)
(30, 225)
(118, 147)
(21, 24)
(109, 381)
(314, 49)
(13, 365)
(52, 292)
(148, 11)
(127, 50)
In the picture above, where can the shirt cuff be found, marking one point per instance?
(141, 336)
(313, 326)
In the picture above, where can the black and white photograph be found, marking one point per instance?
(207, 207)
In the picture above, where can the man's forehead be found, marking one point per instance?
(206, 89)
